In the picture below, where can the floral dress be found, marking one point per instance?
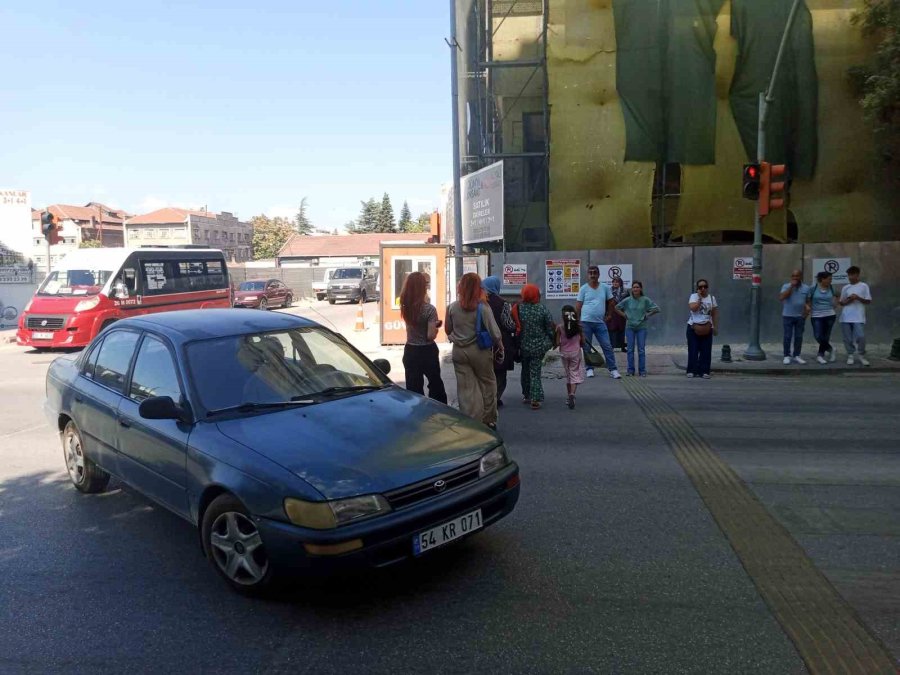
(538, 330)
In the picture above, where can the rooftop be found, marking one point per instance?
(77, 213)
(169, 214)
(345, 245)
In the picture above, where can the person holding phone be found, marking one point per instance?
(702, 324)
(421, 358)
(854, 298)
(794, 296)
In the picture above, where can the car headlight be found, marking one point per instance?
(328, 515)
(495, 459)
(90, 303)
(249, 297)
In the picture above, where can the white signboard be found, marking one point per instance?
(482, 205)
(563, 279)
(608, 272)
(836, 266)
(515, 274)
(743, 268)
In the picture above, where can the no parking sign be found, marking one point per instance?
(836, 267)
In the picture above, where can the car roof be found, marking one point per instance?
(202, 324)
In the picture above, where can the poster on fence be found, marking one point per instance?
(515, 274)
(563, 279)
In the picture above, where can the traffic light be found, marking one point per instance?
(772, 190)
(751, 181)
(50, 227)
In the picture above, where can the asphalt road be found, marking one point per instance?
(611, 563)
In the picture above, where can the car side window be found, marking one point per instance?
(114, 358)
(90, 361)
(154, 372)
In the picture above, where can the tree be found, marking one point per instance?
(368, 218)
(421, 224)
(269, 235)
(879, 81)
(302, 224)
(385, 220)
(405, 219)
(90, 243)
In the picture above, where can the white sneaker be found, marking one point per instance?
(799, 361)
(614, 374)
(821, 360)
(787, 360)
(863, 360)
(690, 375)
(590, 372)
(850, 360)
(832, 357)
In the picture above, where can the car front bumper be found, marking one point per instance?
(349, 294)
(388, 539)
(249, 304)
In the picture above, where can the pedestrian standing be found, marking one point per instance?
(538, 333)
(593, 307)
(702, 324)
(503, 358)
(822, 302)
(476, 386)
(615, 324)
(421, 358)
(634, 310)
(570, 339)
(794, 296)
(854, 298)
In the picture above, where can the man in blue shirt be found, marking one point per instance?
(793, 315)
(593, 307)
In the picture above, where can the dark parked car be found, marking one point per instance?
(263, 294)
(285, 446)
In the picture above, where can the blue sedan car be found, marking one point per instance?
(285, 446)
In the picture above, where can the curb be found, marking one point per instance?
(794, 371)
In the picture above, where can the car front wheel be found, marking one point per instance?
(289, 300)
(234, 546)
(264, 304)
(86, 476)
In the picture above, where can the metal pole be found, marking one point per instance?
(754, 351)
(457, 190)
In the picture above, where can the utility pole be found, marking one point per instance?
(754, 351)
(454, 98)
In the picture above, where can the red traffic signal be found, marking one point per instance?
(50, 227)
(751, 181)
(772, 191)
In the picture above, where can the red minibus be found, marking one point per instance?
(92, 288)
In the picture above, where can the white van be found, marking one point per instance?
(320, 288)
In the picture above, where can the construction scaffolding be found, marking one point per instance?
(503, 109)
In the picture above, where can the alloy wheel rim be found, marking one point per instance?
(74, 458)
(237, 548)
(263, 304)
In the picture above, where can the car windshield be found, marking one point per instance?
(348, 274)
(74, 282)
(252, 286)
(309, 364)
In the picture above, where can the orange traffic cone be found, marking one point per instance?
(360, 319)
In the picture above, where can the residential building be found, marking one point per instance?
(335, 251)
(78, 225)
(172, 226)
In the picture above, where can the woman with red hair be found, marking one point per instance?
(538, 337)
(476, 385)
(421, 357)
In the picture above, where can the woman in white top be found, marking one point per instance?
(701, 326)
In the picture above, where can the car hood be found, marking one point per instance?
(366, 443)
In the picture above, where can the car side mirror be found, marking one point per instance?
(383, 365)
(160, 408)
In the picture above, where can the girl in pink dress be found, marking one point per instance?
(571, 342)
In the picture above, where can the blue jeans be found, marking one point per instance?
(822, 326)
(639, 337)
(598, 328)
(699, 352)
(793, 327)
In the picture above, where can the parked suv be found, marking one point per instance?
(320, 288)
(263, 294)
(353, 284)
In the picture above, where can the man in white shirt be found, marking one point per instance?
(854, 298)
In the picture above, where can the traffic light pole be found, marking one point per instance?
(457, 194)
(754, 351)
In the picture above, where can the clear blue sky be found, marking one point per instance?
(241, 106)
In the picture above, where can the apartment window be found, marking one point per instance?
(164, 233)
(535, 140)
(151, 234)
(179, 232)
(135, 234)
(206, 235)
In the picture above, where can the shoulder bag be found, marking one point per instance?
(482, 337)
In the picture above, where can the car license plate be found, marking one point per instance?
(41, 335)
(443, 534)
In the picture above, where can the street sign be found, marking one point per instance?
(515, 274)
(607, 272)
(743, 268)
(562, 279)
(837, 267)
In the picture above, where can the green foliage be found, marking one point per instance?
(405, 220)
(302, 224)
(879, 81)
(367, 220)
(90, 243)
(269, 235)
(421, 224)
(385, 219)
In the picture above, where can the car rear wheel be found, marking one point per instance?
(234, 546)
(320, 297)
(86, 476)
(264, 304)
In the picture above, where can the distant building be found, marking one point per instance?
(183, 227)
(334, 251)
(78, 224)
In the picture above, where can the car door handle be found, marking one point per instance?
(124, 423)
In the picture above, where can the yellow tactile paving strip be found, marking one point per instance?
(826, 631)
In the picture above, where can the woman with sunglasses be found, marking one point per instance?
(701, 326)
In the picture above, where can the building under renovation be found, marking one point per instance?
(625, 123)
